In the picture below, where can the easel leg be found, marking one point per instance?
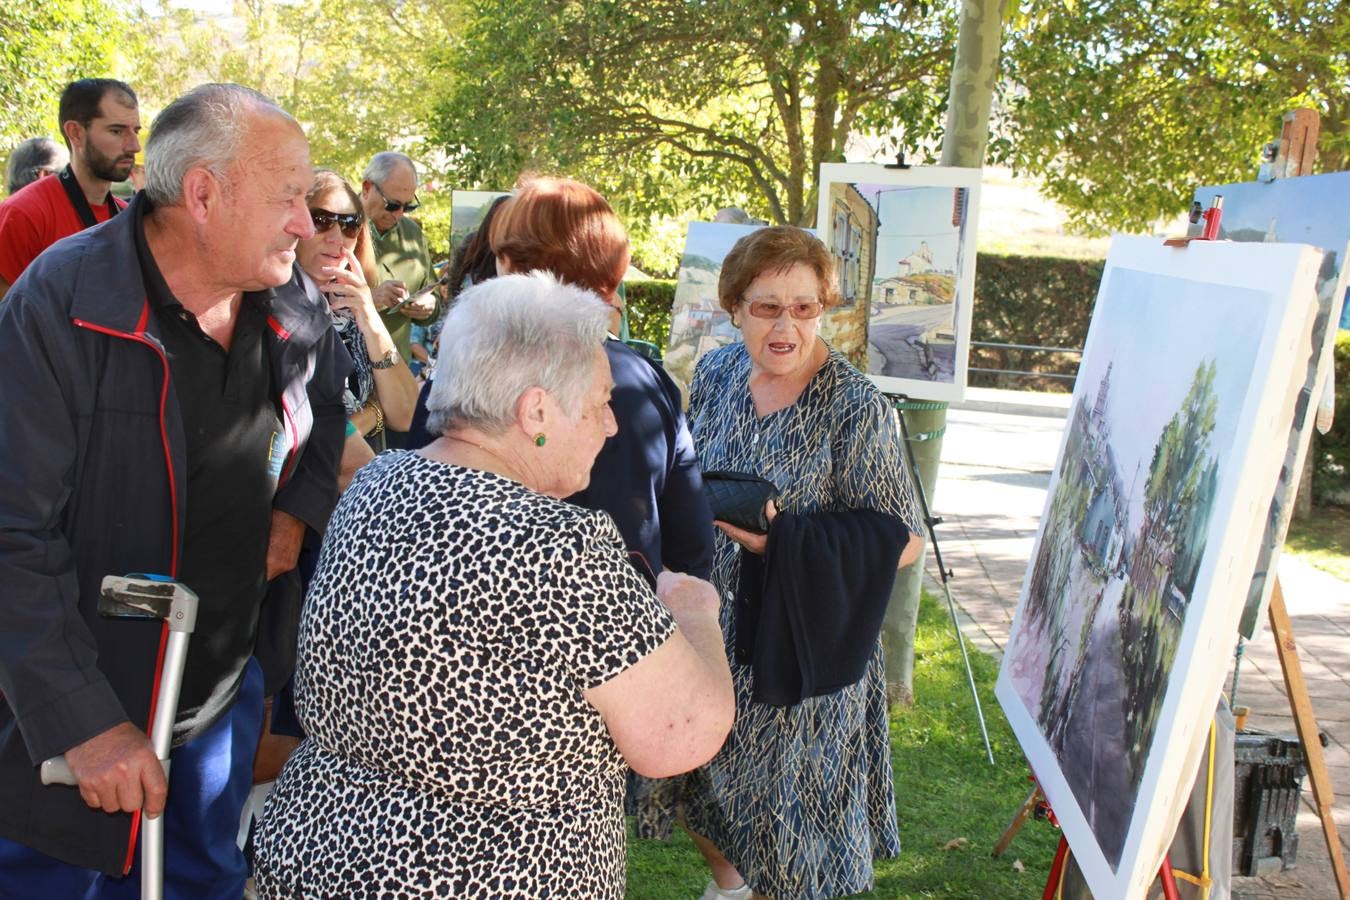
(931, 522)
(1306, 723)
(1023, 813)
(1056, 870)
(1169, 881)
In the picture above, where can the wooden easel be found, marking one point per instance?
(1294, 156)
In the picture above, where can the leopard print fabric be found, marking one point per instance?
(454, 621)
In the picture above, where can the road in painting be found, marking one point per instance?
(1126, 530)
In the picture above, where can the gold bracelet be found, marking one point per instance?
(379, 418)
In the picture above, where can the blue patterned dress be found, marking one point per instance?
(800, 799)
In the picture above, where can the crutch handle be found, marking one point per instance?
(57, 771)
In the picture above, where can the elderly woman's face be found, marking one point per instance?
(580, 437)
(326, 246)
(783, 344)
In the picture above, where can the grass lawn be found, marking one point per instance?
(946, 792)
(1323, 540)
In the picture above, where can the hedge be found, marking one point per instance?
(648, 304)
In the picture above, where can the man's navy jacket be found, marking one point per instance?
(91, 468)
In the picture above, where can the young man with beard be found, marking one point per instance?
(101, 121)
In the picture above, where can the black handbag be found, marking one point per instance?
(738, 498)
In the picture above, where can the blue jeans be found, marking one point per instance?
(209, 782)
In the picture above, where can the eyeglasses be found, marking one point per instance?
(771, 309)
(350, 223)
(394, 205)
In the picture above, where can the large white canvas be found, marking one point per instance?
(1148, 540)
(904, 240)
(1303, 211)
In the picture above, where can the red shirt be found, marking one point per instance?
(33, 219)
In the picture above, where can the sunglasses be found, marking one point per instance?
(350, 223)
(769, 309)
(394, 205)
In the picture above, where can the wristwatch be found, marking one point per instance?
(385, 362)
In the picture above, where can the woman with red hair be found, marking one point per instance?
(646, 476)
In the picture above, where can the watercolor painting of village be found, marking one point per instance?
(1129, 610)
(904, 245)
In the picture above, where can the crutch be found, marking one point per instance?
(141, 596)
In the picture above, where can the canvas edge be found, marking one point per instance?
(1131, 877)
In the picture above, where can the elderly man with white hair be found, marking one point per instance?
(173, 406)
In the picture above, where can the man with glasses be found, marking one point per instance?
(101, 121)
(388, 194)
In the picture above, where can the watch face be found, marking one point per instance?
(385, 362)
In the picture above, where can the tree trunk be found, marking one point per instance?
(970, 99)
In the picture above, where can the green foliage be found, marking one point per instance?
(44, 45)
(674, 107)
(317, 58)
(1123, 108)
(945, 791)
(649, 304)
(434, 217)
(1331, 451)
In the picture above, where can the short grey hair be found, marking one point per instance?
(507, 335)
(383, 164)
(30, 158)
(204, 128)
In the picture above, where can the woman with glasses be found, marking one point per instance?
(799, 802)
(337, 267)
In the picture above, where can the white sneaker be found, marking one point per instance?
(713, 892)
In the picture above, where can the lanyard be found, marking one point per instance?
(77, 199)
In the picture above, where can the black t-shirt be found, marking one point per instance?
(235, 450)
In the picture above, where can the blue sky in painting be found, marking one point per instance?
(910, 216)
(1156, 329)
(1307, 210)
(714, 239)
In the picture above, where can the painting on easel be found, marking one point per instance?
(1148, 538)
(467, 209)
(1295, 210)
(904, 245)
(698, 323)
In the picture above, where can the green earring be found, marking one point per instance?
(539, 439)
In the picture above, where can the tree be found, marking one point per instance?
(1123, 107)
(44, 45)
(353, 72)
(975, 74)
(672, 103)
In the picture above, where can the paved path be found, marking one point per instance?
(990, 494)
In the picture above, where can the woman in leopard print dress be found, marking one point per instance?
(478, 659)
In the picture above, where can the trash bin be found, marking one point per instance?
(1267, 781)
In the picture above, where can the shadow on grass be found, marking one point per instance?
(945, 789)
(1323, 540)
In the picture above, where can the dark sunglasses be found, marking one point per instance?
(769, 309)
(350, 223)
(394, 205)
